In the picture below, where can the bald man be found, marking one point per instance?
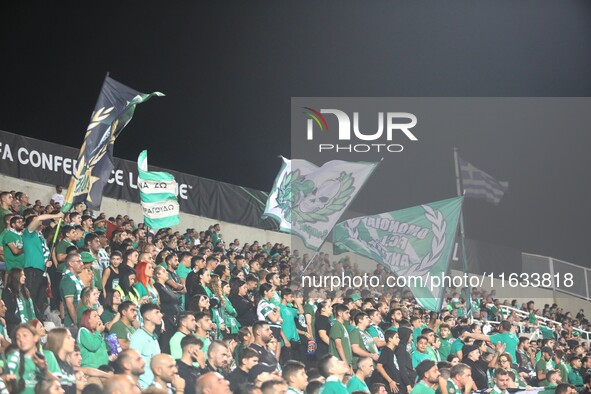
(120, 384)
(212, 383)
(166, 374)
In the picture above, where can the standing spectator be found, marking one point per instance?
(145, 340)
(37, 258)
(362, 344)
(268, 312)
(340, 345)
(5, 207)
(58, 197)
(110, 313)
(17, 299)
(334, 370)
(169, 305)
(112, 274)
(387, 368)
(245, 309)
(93, 348)
(322, 328)
(407, 373)
(429, 375)
(289, 333)
(71, 287)
(363, 370)
(12, 242)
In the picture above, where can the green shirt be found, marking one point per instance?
(122, 331)
(151, 292)
(365, 342)
(176, 351)
(562, 368)
(70, 287)
(310, 309)
(417, 357)
(376, 332)
(93, 348)
(11, 260)
(445, 348)
(574, 377)
(288, 314)
(333, 386)
(338, 331)
(36, 250)
(356, 384)
(509, 339)
(147, 346)
(3, 212)
(61, 248)
(30, 371)
(422, 388)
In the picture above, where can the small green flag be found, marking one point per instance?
(415, 244)
(158, 195)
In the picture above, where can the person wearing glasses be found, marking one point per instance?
(71, 287)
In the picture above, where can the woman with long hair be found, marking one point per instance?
(16, 297)
(27, 363)
(61, 343)
(268, 312)
(217, 305)
(322, 328)
(144, 284)
(199, 303)
(222, 271)
(112, 274)
(89, 299)
(93, 348)
(199, 283)
(126, 288)
(230, 313)
(39, 329)
(244, 339)
(245, 309)
(169, 306)
(110, 315)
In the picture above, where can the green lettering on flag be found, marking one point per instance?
(416, 244)
(158, 195)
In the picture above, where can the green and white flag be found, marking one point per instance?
(158, 195)
(416, 244)
(308, 200)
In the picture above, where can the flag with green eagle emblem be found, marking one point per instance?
(308, 200)
(112, 112)
(416, 244)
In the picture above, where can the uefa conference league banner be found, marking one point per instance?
(53, 164)
(415, 243)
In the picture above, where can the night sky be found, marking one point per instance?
(229, 70)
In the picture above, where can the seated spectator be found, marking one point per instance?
(192, 355)
(246, 360)
(212, 383)
(145, 340)
(90, 339)
(166, 374)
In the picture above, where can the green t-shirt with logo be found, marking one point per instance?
(365, 342)
(11, 260)
(338, 331)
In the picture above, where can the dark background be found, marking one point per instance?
(229, 70)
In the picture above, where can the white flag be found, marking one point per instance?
(308, 200)
(478, 184)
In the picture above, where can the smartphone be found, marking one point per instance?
(40, 355)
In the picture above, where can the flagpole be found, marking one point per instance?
(459, 187)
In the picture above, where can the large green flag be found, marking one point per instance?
(158, 195)
(416, 244)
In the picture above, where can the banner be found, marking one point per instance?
(53, 164)
(158, 195)
(307, 201)
(416, 243)
(112, 112)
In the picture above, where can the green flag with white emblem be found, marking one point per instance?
(158, 195)
(416, 244)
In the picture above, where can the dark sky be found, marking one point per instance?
(229, 70)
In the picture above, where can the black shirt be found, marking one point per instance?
(479, 369)
(387, 358)
(265, 356)
(190, 374)
(322, 323)
(236, 378)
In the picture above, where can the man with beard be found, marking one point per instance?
(262, 336)
(166, 375)
(429, 373)
(501, 380)
(130, 364)
(460, 380)
(478, 366)
(218, 358)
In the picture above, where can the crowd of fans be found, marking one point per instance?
(113, 307)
